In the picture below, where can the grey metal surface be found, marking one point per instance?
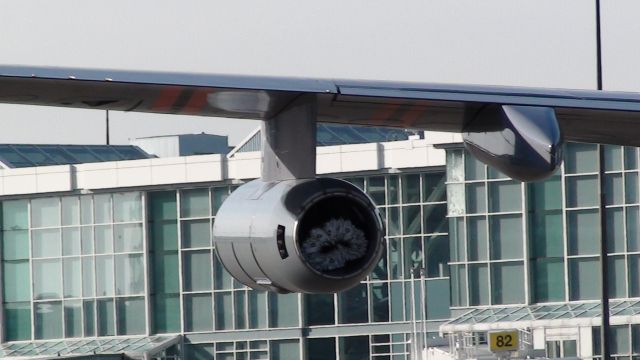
(583, 115)
(249, 246)
(289, 142)
(523, 142)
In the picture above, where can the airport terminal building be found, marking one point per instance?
(106, 251)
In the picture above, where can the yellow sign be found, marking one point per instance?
(503, 341)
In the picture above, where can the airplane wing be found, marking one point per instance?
(583, 115)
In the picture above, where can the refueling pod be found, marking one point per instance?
(300, 235)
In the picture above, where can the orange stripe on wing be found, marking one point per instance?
(196, 103)
(382, 116)
(167, 98)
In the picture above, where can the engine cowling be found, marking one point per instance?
(305, 235)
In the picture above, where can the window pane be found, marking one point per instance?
(354, 347)
(104, 275)
(46, 243)
(353, 305)
(411, 220)
(583, 228)
(102, 208)
(129, 274)
(473, 168)
(617, 277)
(438, 302)
(376, 189)
(379, 302)
(86, 234)
(88, 283)
(581, 158)
(478, 285)
(223, 279)
(218, 196)
(224, 318)
(546, 234)
(166, 313)
(15, 281)
(582, 191)
(395, 258)
(545, 195)
(614, 191)
(437, 250)
(458, 285)
(198, 312)
(619, 339)
(89, 310)
(506, 237)
(71, 241)
(633, 230)
(548, 280)
(197, 270)
(476, 198)
(285, 349)
(393, 225)
(131, 318)
(240, 306)
(435, 218)
(393, 189)
(507, 283)
(458, 241)
(47, 279)
(70, 210)
(15, 244)
(584, 279)
(612, 157)
(410, 188)
(196, 233)
(106, 326)
(505, 196)
(103, 238)
(433, 187)
(283, 310)
(630, 158)
(258, 309)
(73, 318)
(48, 320)
(412, 255)
(127, 206)
(72, 277)
(45, 212)
(86, 209)
(634, 276)
(321, 348)
(397, 301)
(478, 247)
(17, 321)
(128, 237)
(194, 203)
(15, 215)
(615, 230)
(631, 188)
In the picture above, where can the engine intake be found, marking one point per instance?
(305, 235)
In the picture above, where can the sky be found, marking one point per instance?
(499, 42)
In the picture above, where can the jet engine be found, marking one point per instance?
(301, 235)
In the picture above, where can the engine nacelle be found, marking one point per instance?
(305, 235)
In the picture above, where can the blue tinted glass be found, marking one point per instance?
(82, 154)
(106, 153)
(34, 155)
(12, 158)
(130, 152)
(58, 155)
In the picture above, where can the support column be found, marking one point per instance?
(289, 142)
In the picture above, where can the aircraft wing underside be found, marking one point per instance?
(583, 115)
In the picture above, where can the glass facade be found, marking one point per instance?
(142, 263)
